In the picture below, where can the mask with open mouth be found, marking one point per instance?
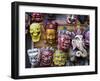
(59, 58)
(46, 56)
(33, 56)
(35, 31)
(64, 40)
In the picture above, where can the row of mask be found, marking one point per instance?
(51, 33)
(45, 57)
(39, 17)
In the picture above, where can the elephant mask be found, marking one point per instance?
(78, 46)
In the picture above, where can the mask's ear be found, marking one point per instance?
(74, 44)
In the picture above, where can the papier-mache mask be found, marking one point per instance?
(34, 56)
(59, 58)
(35, 31)
(46, 56)
(51, 30)
(64, 40)
(77, 42)
(37, 17)
(78, 46)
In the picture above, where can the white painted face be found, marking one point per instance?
(77, 42)
(33, 56)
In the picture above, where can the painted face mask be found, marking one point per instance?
(46, 56)
(78, 46)
(35, 31)
(59, 58)
(37, 17)
(33, 56)
(51, 33)
(71, 19)
(77, 42)
(64, 40)
(51, 36)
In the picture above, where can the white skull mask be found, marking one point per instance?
(33, 56)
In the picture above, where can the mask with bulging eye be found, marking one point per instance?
(59, 58)
(35, 31)
(46, 56)
(34, 56)
(64, 40)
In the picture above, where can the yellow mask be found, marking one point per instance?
(51, 35)
(59, 58)
(35, 31)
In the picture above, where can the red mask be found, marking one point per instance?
(46, 57)
(37, 17)
(64, 40)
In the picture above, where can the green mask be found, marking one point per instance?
(35, 31)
